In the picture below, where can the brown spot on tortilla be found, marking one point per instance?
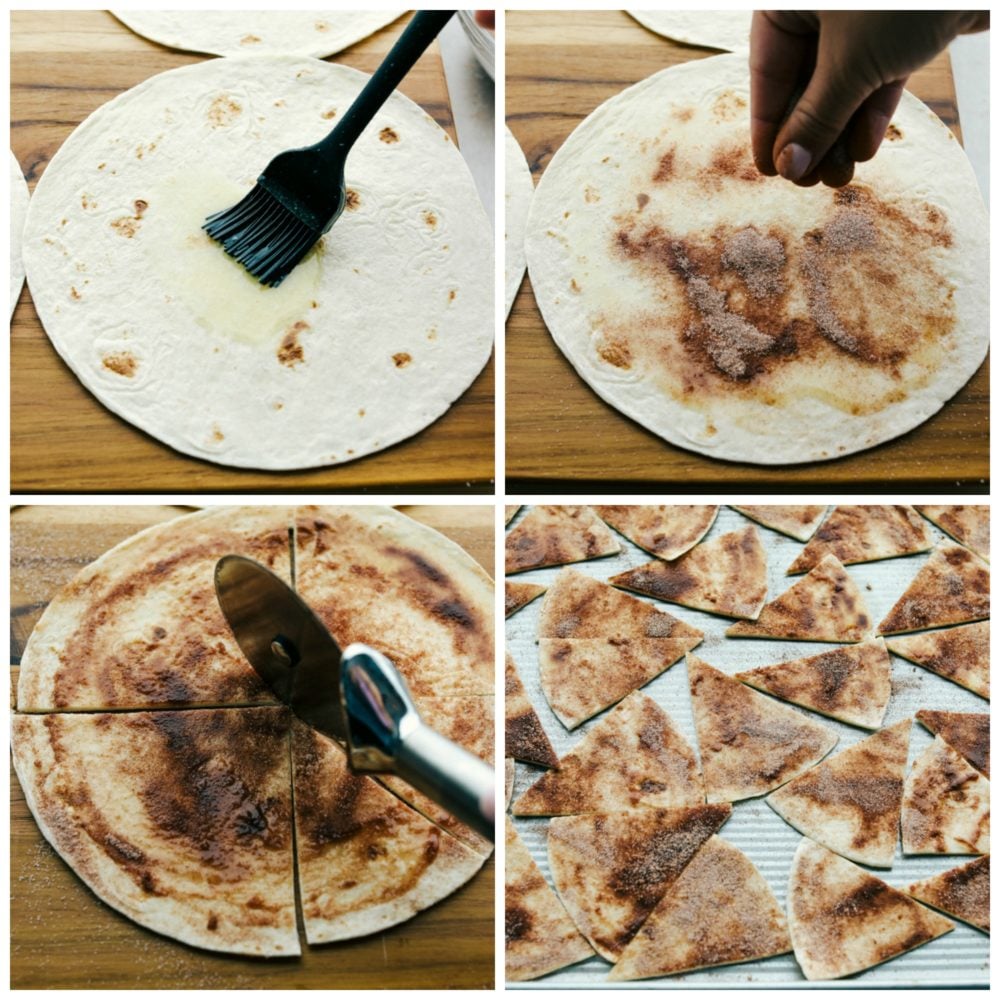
(353, 202)
(387, 135)
(279, 103)
(217, 435)
(430, 219)
(249, 40)
(278, 406)
(140, 207)
(574, 285)
(893, 133)
(87, 202)
(329, 113)
(223, 111)
(401, 360)
(121, 363)
(683, 114)
(728, 105)
(665, 168)
(642, 200)
(731, 163)
(101, 166)
(74, 294)
(590, 195)
(322, 26)
(451, 295)
(213, 922)
(615, 353)
(361, 413)
(290, 352)
(126, 226)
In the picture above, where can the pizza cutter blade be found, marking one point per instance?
(356, 697)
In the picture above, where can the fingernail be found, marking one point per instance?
(793, 162)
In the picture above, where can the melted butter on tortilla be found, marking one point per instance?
(221, 295)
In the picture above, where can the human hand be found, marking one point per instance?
(824, 86)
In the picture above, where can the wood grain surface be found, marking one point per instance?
(62, 936)
(559, 434)
(63, 66)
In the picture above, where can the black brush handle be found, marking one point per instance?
(423, 28)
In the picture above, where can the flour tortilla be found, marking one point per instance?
(358, 349)
(852, 684)
(749, 744)
(857, 534)
(228, 33)
(719, 911)
(551, 535)
(851, 801)
(540, 936)
(960, 654)
(519, 595)
(518, 189)
(966, 732)
(635, 756)
(952, 587)
(843, 920)
(968, 525)
(579, 607)
(141, 626)
(611, 869)
(962, 892)
(149, 808)
(581, 677)
(726, 576)
(366, 861)
(524, 737)
(824, 606)
(710, 29)
(18, 211)
(946, 804)
(796, 521)
(644, 217)
(666, 531)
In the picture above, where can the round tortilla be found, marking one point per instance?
(18, 211)
(741, 316)
(368, 341)
(518, 189)
(228, 33)
(710, 29)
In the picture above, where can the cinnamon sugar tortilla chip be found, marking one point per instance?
(852, 683)
(850, 802)
(519, 595)
(611, 869)
(962, 892)
(796, 521)
(720, 910)
(824, 606)
(857, 534)
(549, 536)
(726, 576)
(961, 654)
(581, 677)
(952, 587)
(843, 920)
(946, 804)
(524, 737)
(969, 525)
(749, 744)
(540, 936)
(635, 756)
(665, 530)
(966, 732)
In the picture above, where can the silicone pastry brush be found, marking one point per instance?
(301, 192)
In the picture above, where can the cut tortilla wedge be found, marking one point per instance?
(519, 595)
(969, 524)
(797, 521)
(666, 531)
(962, 892)
(552, 535)
(524, 737)
(960, 654)
(966, 732)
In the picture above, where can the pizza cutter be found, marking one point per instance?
(356, 697)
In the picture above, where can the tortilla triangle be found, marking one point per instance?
(844, 920)
(850, 802)
(852, 683)
(524, 737)
(579, 607)
(749, 744)
(796, 521)
(824, 606)
(952, 587)
(726, 576)
(720, 910)
(663, 530)
(969, 524)
(962, 892)
(539, 932)
(549, 536)
(634, 756)
(946, 804)
(960, 654)
(519, 595)
(857, 534)
(966, 732)
(581, 677)
(611, 869)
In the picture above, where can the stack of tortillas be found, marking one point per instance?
(654, 796)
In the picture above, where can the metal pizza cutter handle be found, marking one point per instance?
(385, 733)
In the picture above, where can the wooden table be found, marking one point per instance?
(560, 435)
(62, 936)
(64, 65)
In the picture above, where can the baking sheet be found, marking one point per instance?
(960, 958)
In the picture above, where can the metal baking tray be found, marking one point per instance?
(960, 958)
